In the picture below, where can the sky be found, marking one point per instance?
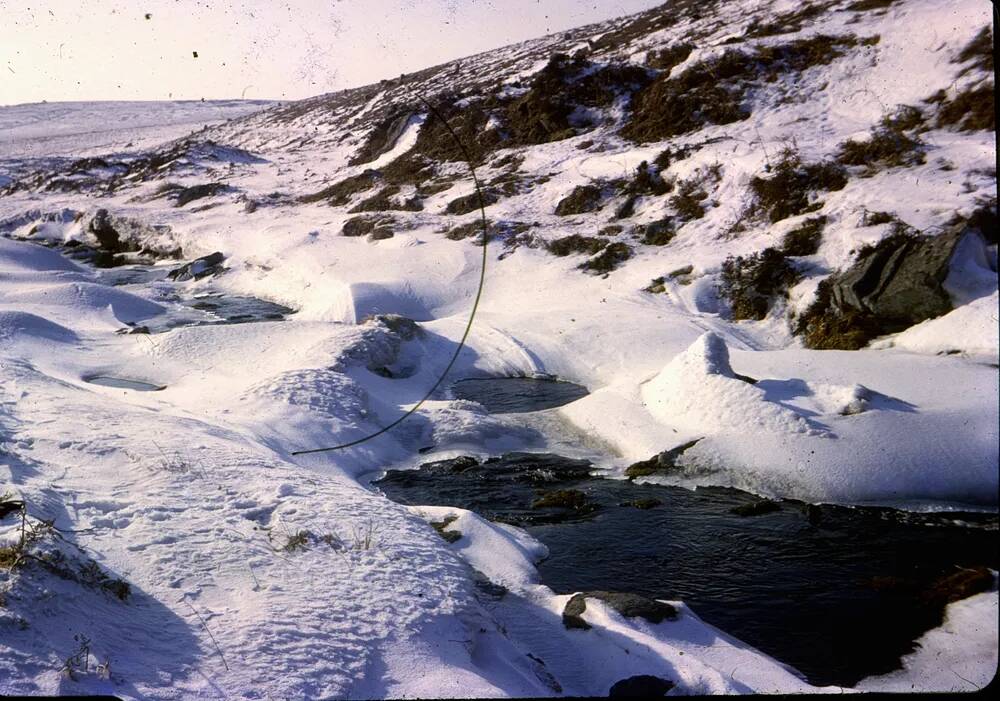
(268, 49)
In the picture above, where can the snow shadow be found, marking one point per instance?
(55, 603)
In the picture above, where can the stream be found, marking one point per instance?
(840, 593)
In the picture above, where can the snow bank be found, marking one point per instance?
(972, 329)
(699, 391)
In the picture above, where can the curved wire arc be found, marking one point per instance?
(475, 304)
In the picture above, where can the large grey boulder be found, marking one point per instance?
(900, 281)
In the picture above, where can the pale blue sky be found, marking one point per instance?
(287, 49)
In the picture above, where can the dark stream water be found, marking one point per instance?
(123, 383)
(189, 308)
(515, 395)
(838, 593)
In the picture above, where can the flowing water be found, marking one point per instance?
(838, 593)
(514, 395)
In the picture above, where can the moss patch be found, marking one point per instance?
(658, 233)
(787, 191)
(804, 240)
(714, 91)
(340, 193)
(583, 199)
(756, 508)
(661, 463)
(751, 284)
(665, 59)
(609, 259)
(787, 22)
(441, 526)
(692, 192)
(972, 109)
(978, 53)
(889, 145)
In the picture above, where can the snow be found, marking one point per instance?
(698, 390)
(971, 329)
(192, 493)
(85, 128)
(958, 656)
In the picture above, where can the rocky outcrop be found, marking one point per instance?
(660, 463)
(119, 239)
(198, 268)
(102, 226)
(892, 285)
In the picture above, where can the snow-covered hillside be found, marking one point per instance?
(763, 230)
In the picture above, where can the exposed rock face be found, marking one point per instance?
(900, 279)
(198, 268)
(102, 227)
(470, 203)
(893, 285)
(197, 192)
(384, 137)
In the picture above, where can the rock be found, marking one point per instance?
(383, 137)
(404, 327)
(661, 463)
(575, 243)
(644, 504)
(102, 227)
(893, 285)
(635, 606)
(641, 686)
(628, 605)
(563, 499)
(657, 233)
(899, 278)
(198, 268)
(358, 226)
(573, 612)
